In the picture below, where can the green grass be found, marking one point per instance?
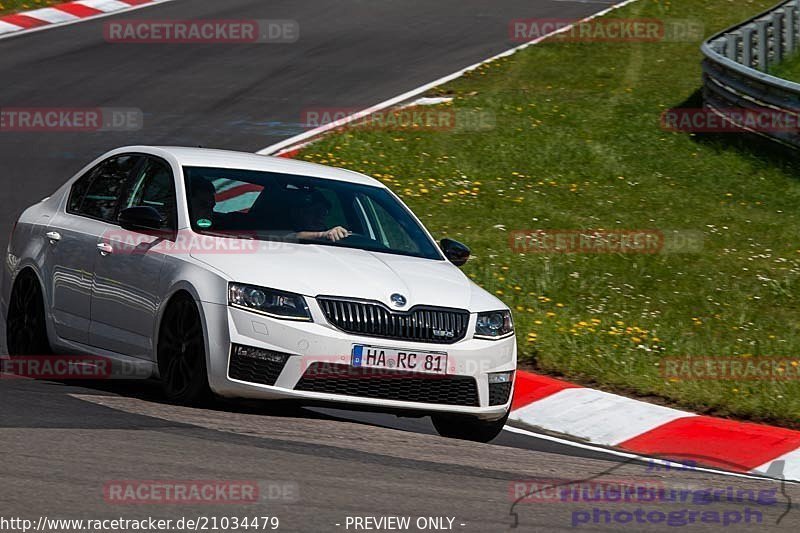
(788, 69)
(12, 6)
(577, 144)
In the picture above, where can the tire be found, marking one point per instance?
(468, 427)
(182, 355)
(26, 329)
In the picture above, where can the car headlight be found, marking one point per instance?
(271, 302)
(494, 325)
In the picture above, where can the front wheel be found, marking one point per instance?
(182, 354)
(467, 427)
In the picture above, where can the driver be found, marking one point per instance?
(203, 201)
(203, 198)
(309, 219)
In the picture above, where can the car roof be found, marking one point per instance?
(207, 157)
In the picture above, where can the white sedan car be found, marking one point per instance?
(237, 275)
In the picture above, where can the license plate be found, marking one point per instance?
(394, 359)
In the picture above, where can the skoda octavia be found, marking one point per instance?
(238, 275)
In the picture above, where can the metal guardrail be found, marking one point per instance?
(736, 65)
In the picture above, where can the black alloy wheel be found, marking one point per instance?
(182, 354)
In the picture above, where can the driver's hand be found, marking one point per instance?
(336, 234)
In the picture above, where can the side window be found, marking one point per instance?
(97, 194)
(155, 187)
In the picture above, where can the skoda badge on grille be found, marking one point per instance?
(398, 299)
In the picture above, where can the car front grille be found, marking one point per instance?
(421, 323)
(499, 393)
(256, 365)
(389, 384)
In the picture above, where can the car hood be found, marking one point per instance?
(317, 270)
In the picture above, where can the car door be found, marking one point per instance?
(72, 236)
(125, 295)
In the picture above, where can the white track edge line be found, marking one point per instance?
(288, 144)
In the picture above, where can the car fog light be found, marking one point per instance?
(259, 353)
(501, 377)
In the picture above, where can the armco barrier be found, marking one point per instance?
(736, 66)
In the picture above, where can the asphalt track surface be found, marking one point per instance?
(63, 441)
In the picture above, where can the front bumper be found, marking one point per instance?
(307, 343)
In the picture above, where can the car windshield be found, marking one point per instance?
(302, 209)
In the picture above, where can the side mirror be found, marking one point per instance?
(141, 218)
(454, 251)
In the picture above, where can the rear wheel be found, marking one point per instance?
(182, 354)
(468, 427)
(26, 330)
